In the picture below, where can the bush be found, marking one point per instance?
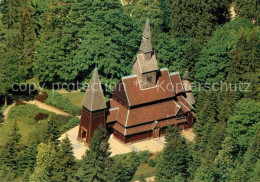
(41, 116)
(25, 113)
(151, 163)
(19, 102)
(63, 103)
(41, 97)
(60, 119)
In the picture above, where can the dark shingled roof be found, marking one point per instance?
(146, 44)
(94, 98)
(147, 30)
(186, 75)
(147, 65)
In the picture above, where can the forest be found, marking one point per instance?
(62, 41)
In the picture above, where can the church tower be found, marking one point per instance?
(145, 65)
(93, 109)
(187, 88)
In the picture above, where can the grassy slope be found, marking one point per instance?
(144, 170)
(74, 97)
(5, 130)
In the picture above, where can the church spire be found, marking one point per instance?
(146, 44)
(94, 97)
(186, 75)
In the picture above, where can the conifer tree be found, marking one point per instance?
(248, 9)
(140, 9)
(224, 162)
(197, 18)
(209, 133)
(51, 133)
(237, 67)
(204, 174)
(211, 66)
(245, 171)
(11, 151)
(173, 161)
(109, 43)
(95, 163)
(57, 45)
(64, 168)
(27, 38)
(243, 124)
(45, 163)
(177, 54)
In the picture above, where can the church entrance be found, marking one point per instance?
(156, 132)
(83, 135)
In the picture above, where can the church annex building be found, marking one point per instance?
(143, 105)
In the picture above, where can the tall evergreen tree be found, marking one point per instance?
(140, 9)
(197, 18)
(95, 163)
(243, 124)
(209, 134)
(224, 162)
(173, 161)
(64, 168)
(248, 9)
(45, 163)
(10, 154)
(57, 45)
(245, 171)
(109, 43)
(27, 38)
(177, 54)
(211, 66)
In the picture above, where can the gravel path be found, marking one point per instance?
(7, 111)
(48, 107)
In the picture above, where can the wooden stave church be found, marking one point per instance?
(143, 105)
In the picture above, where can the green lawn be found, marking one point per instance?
(144, 170)
(74, 97)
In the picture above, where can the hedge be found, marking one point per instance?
(63, 103)
(26, 113)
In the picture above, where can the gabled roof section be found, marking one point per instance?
(145, 114)
(94, 98)
(177, 83)
(137, 96)
(185, 102)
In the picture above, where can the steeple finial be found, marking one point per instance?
(146, 44)
(186, 75)
(147, 20)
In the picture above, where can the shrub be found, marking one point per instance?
(151, 163)
(25, 113)
(60, 119)
(41, 97)
(41, 116)
(63, 103)
(19, 102)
